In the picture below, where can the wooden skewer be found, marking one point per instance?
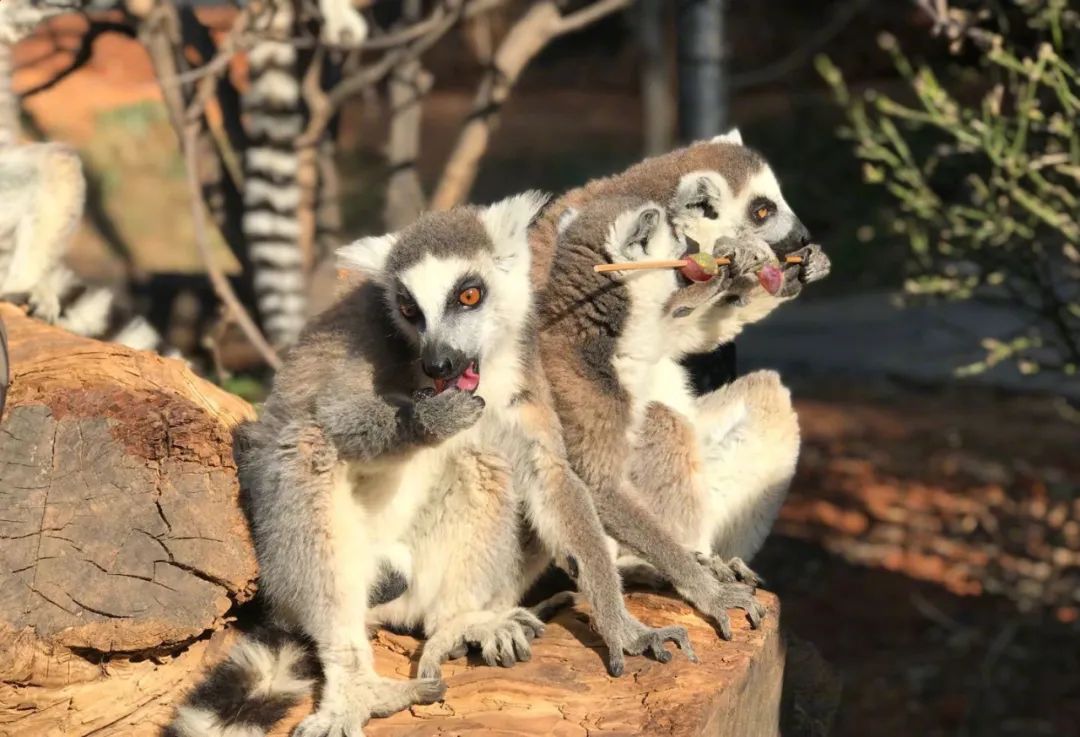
(670, 264)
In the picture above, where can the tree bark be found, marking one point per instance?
(564, 690)
(703, 104)
(123, 545)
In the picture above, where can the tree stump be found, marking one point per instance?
(564, 690)
(124, 553)
(122, 541)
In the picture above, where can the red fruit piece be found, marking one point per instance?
(700, 267)
(771, 279)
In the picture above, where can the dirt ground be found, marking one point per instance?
(930, 549)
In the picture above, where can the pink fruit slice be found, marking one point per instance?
(771, 279)
(700, 267)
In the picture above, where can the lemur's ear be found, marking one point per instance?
(568, 216)
(733, 136)
(702, 189)
(367, 255)
(507, 223)
(629, 237)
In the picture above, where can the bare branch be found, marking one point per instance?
(533, 31)
(209, 72)
(218, 279)
(408, 85)
(438, 23)
(159, 33)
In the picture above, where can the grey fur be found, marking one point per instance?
(354, 455)
(596, 416)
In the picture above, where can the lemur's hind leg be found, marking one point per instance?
(749, 436)
(317, 570)
(474, 545)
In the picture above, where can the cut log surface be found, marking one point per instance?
(564, 690)
(120, 531)
(124, 554)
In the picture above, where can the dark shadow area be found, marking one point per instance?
(915, 659)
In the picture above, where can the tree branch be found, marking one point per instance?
(220, 282)
(542, 23)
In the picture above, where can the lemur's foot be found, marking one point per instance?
(345, 714)
(631, 637)
(732, 596)
(730, 571)
(502, 639)
(389, 696)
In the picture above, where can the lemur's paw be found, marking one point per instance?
(634, 638)
(389, 696)
(732, 596)
(332, 723)
(747, 255)
(44, 306)
(730, 571)
(505, 641)
(815, 264)
(441, 416)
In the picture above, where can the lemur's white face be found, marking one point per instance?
(462, 290)
(706, 208)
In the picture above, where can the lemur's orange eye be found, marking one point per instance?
(762, 212)
(470, 297)
(408, 310)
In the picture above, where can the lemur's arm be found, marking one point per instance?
(563, 516)
(369, 426)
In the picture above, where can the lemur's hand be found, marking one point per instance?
(438, 417)
(715, 588)
(731, 570)
(748, 256)
(734, 280)
(814, 267)
(629, 636)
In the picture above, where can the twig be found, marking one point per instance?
(218, 280)
(677, 263)
(542, 23)
(437, 24)
(209, 72)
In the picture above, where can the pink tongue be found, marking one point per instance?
(469, 380)
(771, 279)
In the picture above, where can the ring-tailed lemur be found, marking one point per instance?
(705, 476)
(275, 118)
(42, 193)
(412, 430)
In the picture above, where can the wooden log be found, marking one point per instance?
(564, 690)
(124, 553)
(121, 540)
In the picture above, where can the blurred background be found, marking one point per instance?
(930, 548)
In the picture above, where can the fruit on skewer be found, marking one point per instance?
(701, 267)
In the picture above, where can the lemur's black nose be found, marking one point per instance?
(796, 238)
(441, 361)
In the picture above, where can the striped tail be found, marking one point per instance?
(271, 189)
(266, 674)
(94, 312)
